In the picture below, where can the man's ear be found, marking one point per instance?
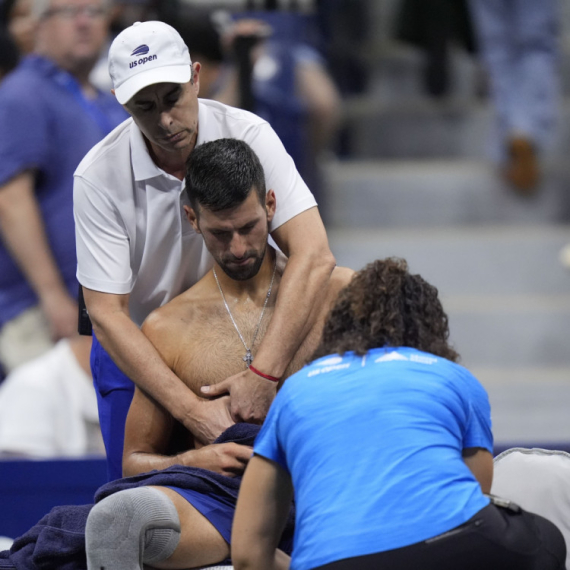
(192, 218)
(270, 204)
(196, 66)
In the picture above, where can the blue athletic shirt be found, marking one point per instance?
(373, 446)
(47, 125)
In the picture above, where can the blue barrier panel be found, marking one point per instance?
(29, 489)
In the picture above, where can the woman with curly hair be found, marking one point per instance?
(387, 445)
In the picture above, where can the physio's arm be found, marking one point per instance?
(147, 440)
(480, 462)
(23, 232)
(261, 513)
(136, 356)
(304, 241)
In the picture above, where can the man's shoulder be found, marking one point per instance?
(182, 313)
(217, 118)
(340, 278)
(342, 275)
(112, 149)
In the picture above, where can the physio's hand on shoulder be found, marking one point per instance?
(209, 419)
(61, 312)
(228, 459)
(250, 396)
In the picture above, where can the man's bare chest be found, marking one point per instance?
(214, 350)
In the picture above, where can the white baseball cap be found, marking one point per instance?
(147, 53)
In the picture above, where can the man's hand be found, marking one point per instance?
(228, 459)
(250, 396)
(62, 314)
(209, 419)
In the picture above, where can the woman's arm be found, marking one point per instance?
(263, 503)
(480, 461)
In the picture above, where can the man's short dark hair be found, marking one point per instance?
(385, 305)
(221, 174)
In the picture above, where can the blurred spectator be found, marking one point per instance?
(9, 54)
(21, 24)
(48, 406)
(345, 29)
(432, 26)
(50, 116)
(123, 13)
(518, 43)
(282, 80)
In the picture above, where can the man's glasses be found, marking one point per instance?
(71, 12)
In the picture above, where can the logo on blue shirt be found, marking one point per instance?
(141, 50)
(329, 365)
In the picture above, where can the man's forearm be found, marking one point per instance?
(300, 293)
(228, 459)
(140, 462)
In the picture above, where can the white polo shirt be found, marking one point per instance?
(131, 231)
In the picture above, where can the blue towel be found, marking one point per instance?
(58, 540)
(194, 478)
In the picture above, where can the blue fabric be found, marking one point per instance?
(114, 392)
(277, 102)
(276, 92)
(219, 507)
(373, 445)
(46, 125)
(58, 540)
(218, 511)
(518, 40)
(190, 477)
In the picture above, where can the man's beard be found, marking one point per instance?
(249, 271)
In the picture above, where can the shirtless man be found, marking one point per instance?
(204, 335)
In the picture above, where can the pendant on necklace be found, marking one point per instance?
(248, 358)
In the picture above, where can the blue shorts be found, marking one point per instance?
(219, 511)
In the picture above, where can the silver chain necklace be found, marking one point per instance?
(248, 358)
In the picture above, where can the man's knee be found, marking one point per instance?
(131, 527)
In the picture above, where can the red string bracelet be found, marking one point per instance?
(266, 376)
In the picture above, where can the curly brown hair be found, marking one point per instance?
(384, 305)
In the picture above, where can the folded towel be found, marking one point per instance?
(58, 539)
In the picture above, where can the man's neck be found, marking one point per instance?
(173, 163)
(254, 288)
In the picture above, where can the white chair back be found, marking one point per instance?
(539, 481)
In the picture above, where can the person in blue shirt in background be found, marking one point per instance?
(387, 444)
(289, 85)
(50, 116)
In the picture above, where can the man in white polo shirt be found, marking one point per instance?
(136, 250)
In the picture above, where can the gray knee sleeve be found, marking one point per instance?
(129, 528)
